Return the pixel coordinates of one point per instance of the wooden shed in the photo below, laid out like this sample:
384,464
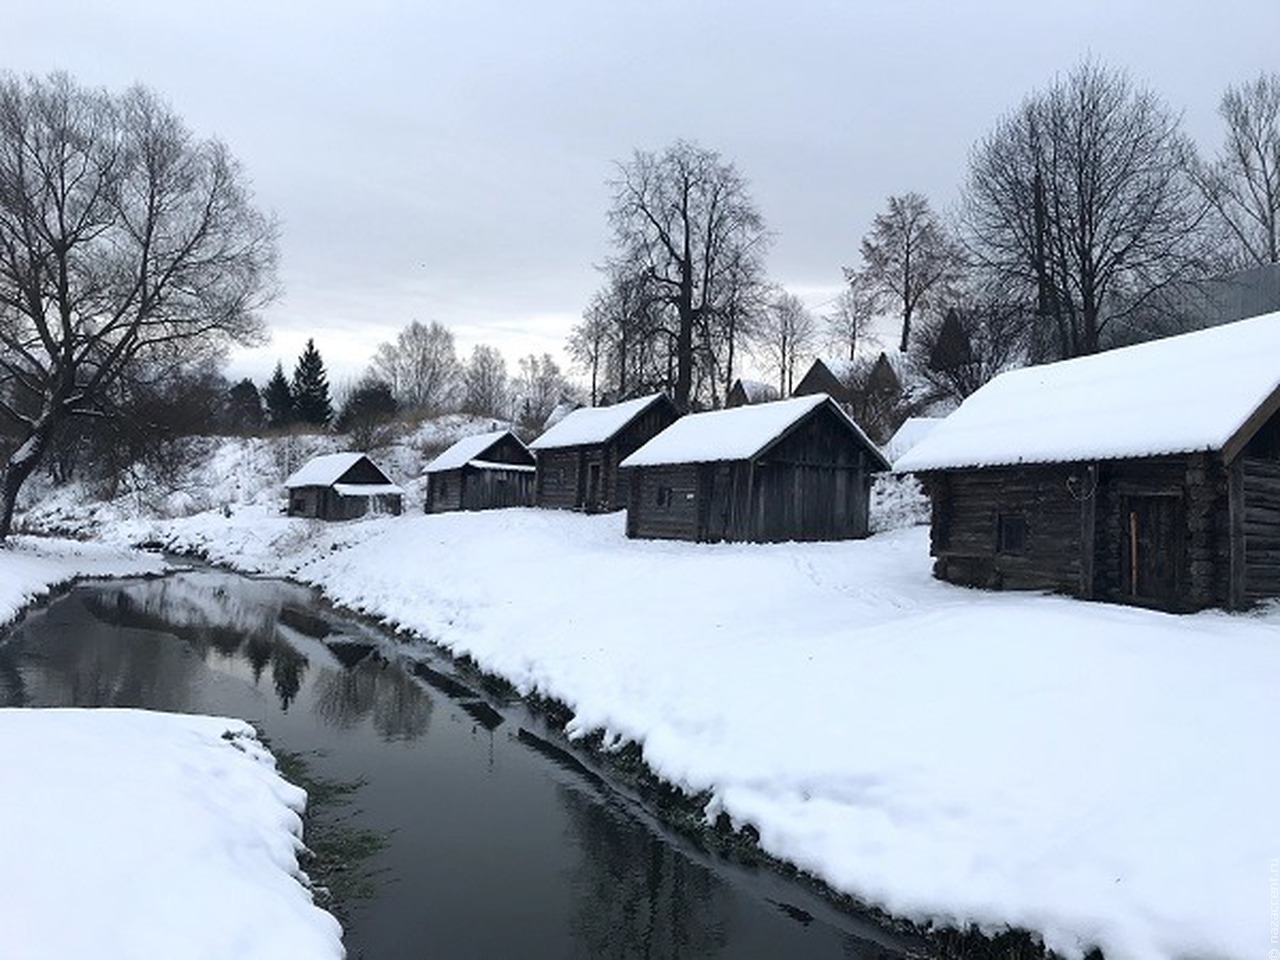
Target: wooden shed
578,457
1148,475
795,469
482,472
341,486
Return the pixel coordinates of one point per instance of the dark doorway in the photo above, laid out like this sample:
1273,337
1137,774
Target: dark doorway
1151,559
593,486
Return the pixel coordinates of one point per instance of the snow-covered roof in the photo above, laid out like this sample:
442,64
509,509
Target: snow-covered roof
1182,394
367,489
593,424
739,433
464,451
912,431
322,471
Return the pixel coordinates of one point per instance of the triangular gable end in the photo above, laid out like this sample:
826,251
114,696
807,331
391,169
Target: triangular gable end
830,405
1255,422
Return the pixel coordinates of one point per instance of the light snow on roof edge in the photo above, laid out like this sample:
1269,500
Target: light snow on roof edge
593,424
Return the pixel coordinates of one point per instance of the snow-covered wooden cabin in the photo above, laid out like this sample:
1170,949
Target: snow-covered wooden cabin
744,392
482,472
795,469
341,486
1148,475
578,458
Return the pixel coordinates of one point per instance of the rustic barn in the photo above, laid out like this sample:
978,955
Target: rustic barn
482,472
341,486
1148,475
578,458
746,392
795,469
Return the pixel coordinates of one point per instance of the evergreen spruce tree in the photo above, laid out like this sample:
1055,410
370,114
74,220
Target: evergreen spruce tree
279,399
244,407
311,389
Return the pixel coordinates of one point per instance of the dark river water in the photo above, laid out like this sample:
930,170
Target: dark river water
495,849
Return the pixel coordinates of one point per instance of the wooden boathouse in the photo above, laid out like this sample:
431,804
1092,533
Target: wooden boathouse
797,469
578,458
341,486
1148,475
482,472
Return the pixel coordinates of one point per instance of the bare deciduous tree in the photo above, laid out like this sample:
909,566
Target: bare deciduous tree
955,353
124,241
538,388
421,366
849,321
685,225
1080,199
1243,183
786,332
909,261
484,382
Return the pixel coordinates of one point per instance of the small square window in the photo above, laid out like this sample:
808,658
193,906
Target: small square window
1011,533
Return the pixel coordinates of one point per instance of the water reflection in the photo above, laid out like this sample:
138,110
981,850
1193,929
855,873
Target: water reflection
502,844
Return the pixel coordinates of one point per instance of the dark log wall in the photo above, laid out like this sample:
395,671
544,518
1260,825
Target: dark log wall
967,510
556,480
508,449
488,489
324,503
1261,527
663,502
1077,525
363,471
444,491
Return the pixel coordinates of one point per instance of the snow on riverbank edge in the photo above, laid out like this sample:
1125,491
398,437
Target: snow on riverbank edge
1089,772
128,833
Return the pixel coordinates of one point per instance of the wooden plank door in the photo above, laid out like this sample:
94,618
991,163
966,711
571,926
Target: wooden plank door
1153,536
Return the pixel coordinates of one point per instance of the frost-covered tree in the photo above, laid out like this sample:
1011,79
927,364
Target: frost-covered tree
126,243
310,388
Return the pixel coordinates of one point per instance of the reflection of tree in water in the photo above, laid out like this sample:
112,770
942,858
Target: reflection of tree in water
638,896
288,667
257,650
399,708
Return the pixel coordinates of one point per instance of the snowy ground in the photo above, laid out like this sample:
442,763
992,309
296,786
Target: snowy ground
130,834
1105,776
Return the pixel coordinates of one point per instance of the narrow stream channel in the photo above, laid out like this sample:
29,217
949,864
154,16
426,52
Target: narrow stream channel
494,848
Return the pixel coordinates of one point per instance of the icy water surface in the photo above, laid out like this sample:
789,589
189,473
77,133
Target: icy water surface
495,848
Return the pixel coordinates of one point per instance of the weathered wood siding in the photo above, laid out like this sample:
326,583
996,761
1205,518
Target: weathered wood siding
813,485
556,479
1261,527
324,503
493,489
587,477
444,491
663,502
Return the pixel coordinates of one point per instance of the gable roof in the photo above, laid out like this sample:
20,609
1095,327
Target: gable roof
756,391
594,424
739,433
1200,391
329,469
468,449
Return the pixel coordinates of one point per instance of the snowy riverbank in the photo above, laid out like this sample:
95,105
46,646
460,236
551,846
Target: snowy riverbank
134,834
1101,775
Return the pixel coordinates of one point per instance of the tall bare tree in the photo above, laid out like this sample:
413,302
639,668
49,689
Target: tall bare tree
124,241
1243,182
849,322
1081,199
909,260
421,366
786,332
684,224
485,390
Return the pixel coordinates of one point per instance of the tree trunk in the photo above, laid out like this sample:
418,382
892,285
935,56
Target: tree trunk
20,466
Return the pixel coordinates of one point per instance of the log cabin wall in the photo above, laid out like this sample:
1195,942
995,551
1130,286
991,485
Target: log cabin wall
1261,528
486,488
1007,527
556,479
444,491
663,502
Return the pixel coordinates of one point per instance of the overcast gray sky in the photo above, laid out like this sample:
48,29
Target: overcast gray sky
448,161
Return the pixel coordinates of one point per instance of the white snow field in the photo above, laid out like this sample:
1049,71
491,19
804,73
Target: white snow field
1103,775
127,834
